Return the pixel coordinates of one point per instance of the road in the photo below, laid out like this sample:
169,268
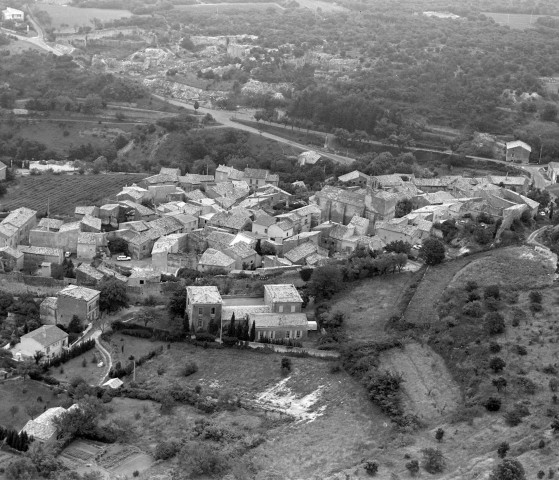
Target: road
224,117
39,40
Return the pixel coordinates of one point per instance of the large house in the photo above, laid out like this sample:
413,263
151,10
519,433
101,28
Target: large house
23,219
276,316
518,152
13,14
47,339
43,428
72,300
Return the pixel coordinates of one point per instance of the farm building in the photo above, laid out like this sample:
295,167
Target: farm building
518,152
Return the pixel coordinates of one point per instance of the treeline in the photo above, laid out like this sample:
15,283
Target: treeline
15,440
67,355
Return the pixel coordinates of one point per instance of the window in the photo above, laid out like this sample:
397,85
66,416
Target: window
200,311
200,323
298,334
292,308
259,335
141,282
280,308
272,334
287,333
213,311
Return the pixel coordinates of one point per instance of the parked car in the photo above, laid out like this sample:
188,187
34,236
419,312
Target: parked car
123,258
68,254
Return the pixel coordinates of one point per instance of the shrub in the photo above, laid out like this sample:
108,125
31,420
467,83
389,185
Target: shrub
473,296
497,364
413,467
514,416
473,309
286,364
371,468
439,434
492,291
494,347
495,323
502,449
305,274
205,337
433,460
189,369
166,450
553,384
509,469
499,383
229,341
527,385
336,368
536,307
471,285
520,350
201,459
535,296
493,404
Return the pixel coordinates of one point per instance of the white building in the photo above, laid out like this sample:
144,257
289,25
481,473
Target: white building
13,14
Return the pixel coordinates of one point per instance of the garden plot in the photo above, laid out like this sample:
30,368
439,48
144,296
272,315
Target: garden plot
81,451
280,398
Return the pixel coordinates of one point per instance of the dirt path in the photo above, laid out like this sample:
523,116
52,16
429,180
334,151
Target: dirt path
429,390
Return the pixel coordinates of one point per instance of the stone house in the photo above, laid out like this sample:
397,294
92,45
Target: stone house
256,177
278,326
282,298
213,259
280,231
134,212
9,235
12,259
519,184
355,179
203,305
47,311
300,253
80,301
191,181
223,173
90,224
518,152
383,205
82,211
134,193
110,214
552,171
88,276
89,244
23,219
308,158
262,223
34,256
245,257
48,339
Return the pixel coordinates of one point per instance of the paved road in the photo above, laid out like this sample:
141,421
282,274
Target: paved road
38,41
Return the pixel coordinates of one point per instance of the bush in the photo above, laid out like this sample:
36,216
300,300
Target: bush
305,274
189,369
229,341
536,307
473,309
493,404
413,467
495,323
473,296
166,450
494,347
433,460
535,296
520,350
509,469
492,291
471,285
371,468
205,337
286,364
514,416
497,364
503,449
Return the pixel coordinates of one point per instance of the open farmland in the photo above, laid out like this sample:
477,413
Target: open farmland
65,18
515,20
65,192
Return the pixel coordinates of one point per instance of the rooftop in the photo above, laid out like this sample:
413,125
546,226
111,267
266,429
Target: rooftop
87,269
46,335
51,223
92,222
283,293
519,143
214,258
301,252
356,174
7,230
203,295
264,220
31,250
340,195
42,428
241,249
267,320
19,217
80,293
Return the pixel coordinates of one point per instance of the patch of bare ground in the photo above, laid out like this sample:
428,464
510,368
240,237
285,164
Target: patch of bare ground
428,388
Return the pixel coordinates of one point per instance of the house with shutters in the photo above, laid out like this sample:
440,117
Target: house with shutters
47,339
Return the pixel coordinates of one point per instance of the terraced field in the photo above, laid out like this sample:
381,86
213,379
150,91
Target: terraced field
64,192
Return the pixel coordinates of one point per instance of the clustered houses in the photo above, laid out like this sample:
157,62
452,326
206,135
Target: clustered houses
276,316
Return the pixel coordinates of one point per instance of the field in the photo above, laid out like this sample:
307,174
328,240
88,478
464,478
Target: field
515,21
65,19
91,373
24,394
64,192
379,299
337,426
18,46
327,7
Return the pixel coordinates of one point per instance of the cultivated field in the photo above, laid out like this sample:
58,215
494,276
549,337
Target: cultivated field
66,19
64,192
516,21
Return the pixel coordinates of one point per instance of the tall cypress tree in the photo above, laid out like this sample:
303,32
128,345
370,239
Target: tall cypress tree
252,336
232,330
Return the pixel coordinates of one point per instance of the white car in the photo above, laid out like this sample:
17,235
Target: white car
68,254
123,258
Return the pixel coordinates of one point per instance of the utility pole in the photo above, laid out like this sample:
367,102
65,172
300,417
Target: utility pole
541,148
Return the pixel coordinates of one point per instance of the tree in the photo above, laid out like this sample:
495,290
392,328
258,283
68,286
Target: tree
495,323
493,404
325,282
508,469
118,245
403,207
100,164
497,364
177,304
147,315
439,434
252,336
413,467
21,469
398,246
68,268
92,103
75,325
502,449
432,251
37,356
433,460
549,113
113,295
196,106
499,383
188,44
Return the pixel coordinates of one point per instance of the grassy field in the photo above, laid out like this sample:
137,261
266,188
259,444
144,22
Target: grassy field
515,21
18,46
339,429
379,299
228,7
64,192
24,394
91,373
65,18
